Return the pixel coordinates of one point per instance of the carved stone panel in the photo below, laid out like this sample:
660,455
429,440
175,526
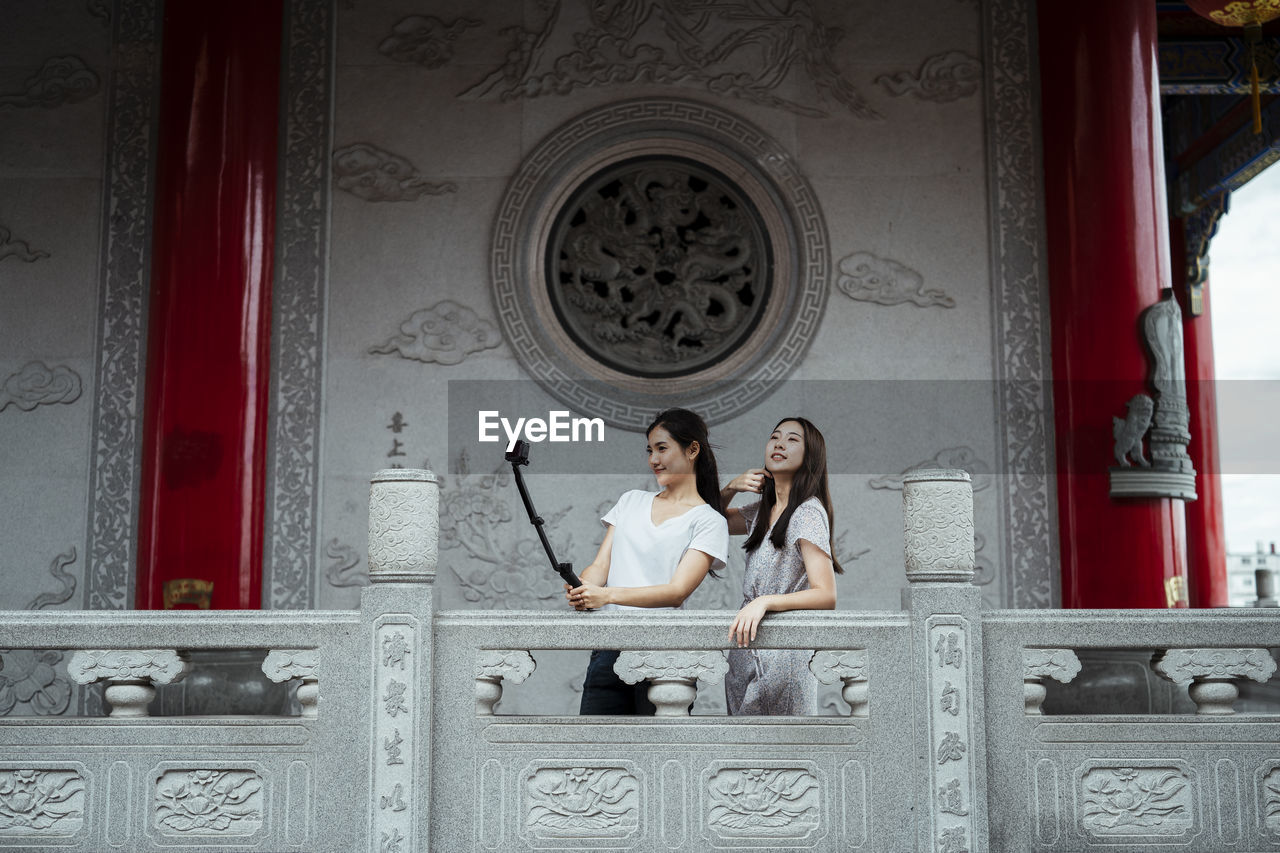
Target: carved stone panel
763,804
195,802
398,710
951,731
1135,801
42,801
594,805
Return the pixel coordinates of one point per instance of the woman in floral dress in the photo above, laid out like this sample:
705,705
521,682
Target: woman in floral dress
789,567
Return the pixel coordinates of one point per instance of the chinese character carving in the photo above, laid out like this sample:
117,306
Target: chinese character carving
952,840
398,423
951,799
393,801
392,840
396,449
949,651
394,650
392,746
950,700
395,698
951,748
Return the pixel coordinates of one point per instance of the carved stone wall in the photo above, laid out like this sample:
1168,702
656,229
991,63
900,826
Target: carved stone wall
901,153
65,72
915,145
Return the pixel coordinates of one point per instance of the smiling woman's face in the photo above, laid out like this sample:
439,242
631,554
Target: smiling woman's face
667,459
784,451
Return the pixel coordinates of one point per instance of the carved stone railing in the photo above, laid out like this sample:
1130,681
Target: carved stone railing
402,743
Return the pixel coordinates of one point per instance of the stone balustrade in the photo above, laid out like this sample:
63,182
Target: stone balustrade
950,744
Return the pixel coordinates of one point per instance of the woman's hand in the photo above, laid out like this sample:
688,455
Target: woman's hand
749,481
743,629
588,596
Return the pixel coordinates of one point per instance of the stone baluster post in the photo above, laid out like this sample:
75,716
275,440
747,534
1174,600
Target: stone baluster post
1210,674
850,669
1037,665
404,528
303,664
672,676
495,666
946,633
129,675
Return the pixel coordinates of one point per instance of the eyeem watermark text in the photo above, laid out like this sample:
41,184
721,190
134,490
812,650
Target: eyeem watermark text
558,426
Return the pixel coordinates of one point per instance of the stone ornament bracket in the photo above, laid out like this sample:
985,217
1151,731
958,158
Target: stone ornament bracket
494,666
849,667
286,664
129,675
1211,674
672,676
1061,665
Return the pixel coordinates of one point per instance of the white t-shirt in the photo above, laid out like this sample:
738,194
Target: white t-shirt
647,555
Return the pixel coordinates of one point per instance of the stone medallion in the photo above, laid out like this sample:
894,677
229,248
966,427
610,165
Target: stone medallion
655,253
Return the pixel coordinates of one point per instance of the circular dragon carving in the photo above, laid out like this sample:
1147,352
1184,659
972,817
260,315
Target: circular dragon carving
658,267
659,252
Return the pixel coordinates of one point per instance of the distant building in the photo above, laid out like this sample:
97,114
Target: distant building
1241,585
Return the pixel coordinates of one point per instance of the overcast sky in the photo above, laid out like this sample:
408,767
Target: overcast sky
1244,279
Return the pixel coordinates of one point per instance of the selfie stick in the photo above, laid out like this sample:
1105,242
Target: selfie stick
520,456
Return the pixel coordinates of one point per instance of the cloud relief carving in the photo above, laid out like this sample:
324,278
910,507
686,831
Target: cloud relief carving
370,173
37,384
946,77
424,40
11,247
444,333
61,80
869,278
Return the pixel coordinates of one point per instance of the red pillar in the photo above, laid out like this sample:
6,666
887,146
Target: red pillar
1108,260
209,332
1206,536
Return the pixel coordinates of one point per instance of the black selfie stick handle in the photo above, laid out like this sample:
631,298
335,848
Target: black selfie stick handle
565,570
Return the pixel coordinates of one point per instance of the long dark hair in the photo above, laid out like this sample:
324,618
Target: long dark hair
685,427
810,481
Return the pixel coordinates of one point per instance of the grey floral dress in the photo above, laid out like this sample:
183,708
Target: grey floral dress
777,681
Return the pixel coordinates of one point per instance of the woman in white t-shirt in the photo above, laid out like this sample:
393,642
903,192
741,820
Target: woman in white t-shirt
657,548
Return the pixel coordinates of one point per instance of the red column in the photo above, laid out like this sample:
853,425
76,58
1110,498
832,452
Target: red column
1206,536
1108,260
209,332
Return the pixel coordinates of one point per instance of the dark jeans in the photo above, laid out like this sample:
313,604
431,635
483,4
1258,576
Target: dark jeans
603,692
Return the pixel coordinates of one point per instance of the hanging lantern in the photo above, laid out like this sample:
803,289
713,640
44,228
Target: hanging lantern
1250,15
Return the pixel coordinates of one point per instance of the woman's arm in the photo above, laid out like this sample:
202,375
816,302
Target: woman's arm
693,567
597,572
821,595
751,480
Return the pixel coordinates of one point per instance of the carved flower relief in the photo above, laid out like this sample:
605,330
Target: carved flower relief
1136,801
468,514
1271,801
582,801
45,801
29,676
517,581
777,802
209,802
